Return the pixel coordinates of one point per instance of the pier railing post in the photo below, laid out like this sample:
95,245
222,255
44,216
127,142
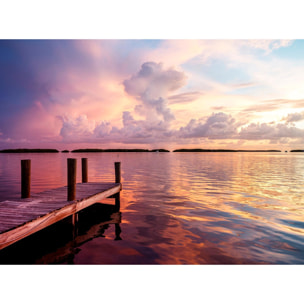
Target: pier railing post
25,178
117,172
84,166
72,166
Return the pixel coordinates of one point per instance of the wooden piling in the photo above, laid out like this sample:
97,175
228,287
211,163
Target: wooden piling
72,166
22,218
25,178
84,166
117,172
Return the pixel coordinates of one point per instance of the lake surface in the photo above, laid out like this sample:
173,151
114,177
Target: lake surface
175,208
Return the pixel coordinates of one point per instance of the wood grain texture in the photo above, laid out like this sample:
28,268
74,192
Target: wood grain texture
19,219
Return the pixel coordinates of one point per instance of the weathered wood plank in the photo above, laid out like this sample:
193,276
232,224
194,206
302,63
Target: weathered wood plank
12,223
16,218
44,209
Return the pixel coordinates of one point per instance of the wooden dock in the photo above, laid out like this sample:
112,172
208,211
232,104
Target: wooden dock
19,219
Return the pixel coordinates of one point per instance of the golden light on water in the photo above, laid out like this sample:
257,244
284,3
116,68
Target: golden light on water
189,208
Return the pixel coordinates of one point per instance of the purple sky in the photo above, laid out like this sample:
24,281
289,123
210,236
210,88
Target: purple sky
152,93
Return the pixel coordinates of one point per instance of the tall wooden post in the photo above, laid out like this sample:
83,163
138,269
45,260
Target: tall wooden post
117,172
25,178
84,167
72,166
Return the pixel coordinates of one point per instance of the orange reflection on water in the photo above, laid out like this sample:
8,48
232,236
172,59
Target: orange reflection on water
242,205
197,208
205,208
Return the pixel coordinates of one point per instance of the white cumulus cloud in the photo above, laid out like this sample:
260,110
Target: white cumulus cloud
216,126
151,85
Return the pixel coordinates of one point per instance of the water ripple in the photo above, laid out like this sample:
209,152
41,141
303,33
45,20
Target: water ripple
189,208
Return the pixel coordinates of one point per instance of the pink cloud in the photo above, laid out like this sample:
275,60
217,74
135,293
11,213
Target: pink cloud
109,93
79,128
293,117
216,126
257,131
151,85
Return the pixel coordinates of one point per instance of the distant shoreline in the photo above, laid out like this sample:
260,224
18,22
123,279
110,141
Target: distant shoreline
29,151
78,150
118,150
222,150
132,150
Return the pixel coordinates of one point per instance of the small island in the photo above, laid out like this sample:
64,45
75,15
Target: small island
117,150
65,151
222,150
29,151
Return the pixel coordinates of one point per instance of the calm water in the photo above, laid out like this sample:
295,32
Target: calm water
176,208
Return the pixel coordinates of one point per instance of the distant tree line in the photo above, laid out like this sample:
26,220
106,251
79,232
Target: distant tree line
119,150
133,150
222,150
29,151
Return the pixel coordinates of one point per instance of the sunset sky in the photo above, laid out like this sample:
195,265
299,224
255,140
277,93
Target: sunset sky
152,93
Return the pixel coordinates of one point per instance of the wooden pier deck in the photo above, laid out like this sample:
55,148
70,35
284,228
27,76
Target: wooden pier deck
21,218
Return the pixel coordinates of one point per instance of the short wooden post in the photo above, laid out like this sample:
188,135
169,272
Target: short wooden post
72,166
84,166
117,172
25,178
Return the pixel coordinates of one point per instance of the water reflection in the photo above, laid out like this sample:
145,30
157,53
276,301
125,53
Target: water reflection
117,233
60,242
189,208
231,206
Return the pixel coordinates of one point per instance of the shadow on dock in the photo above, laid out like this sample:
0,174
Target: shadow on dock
57,244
